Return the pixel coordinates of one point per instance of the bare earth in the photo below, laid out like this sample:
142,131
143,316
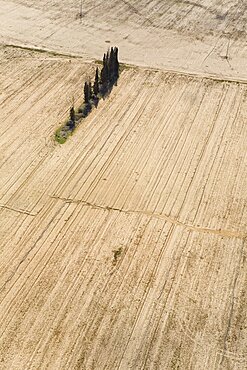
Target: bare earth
201,36
124,248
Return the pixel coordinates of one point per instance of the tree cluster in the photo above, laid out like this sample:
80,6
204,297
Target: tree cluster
110,71
103,83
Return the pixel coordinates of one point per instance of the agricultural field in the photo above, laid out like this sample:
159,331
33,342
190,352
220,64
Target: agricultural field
123,248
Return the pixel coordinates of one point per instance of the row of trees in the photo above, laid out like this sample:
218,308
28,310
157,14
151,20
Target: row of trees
108,77
103,82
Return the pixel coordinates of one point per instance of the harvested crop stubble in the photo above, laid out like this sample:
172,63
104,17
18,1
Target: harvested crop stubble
157,173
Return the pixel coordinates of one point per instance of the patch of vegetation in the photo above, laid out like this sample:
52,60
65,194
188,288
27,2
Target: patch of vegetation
60,137
98,61
116,254
123,66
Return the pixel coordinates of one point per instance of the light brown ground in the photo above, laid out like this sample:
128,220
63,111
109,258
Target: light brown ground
155,173
193,36
125,247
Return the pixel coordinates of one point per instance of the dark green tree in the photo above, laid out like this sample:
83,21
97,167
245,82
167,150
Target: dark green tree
102,73
116,63
96,83
72,114
71,122
90,90
86,93
108,66
104,76
111,66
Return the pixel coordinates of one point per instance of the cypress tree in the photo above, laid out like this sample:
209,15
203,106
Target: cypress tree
107,66
90,92
96,83
104,60
86,93
72,114
104,73
116,63
112,66
107,57
71,122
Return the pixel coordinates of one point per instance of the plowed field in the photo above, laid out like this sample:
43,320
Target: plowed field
125,247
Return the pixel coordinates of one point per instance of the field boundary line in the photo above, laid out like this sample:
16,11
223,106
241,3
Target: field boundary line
205,76
18,210
45,50
174,221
